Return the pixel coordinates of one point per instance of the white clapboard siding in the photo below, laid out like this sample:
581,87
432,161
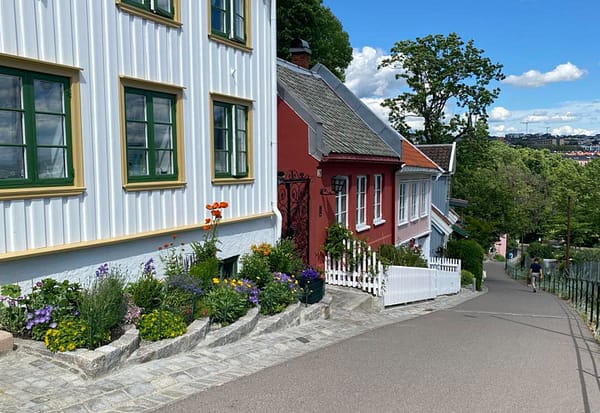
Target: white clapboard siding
106,43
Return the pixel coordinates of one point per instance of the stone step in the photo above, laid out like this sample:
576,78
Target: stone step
6,342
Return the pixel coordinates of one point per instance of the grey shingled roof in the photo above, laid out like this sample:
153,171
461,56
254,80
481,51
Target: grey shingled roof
441,154
344,132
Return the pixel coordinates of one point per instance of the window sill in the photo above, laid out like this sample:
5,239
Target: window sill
377,222
241,46
148,186
45,192
403,223
362,227
232,181
175,23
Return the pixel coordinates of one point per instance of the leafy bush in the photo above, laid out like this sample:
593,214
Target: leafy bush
536,249
160,324
147,291
337,236
278,294
12,314
403,256
284,257
102,308
204,271
225,305
466,278
471,254
70,334
499,257
255,267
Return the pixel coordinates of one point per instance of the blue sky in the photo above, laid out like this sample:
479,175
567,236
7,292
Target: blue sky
550,50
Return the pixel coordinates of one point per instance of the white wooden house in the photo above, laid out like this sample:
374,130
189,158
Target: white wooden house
121,119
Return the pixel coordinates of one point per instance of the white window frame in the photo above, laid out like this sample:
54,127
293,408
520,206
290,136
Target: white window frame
361,203
341,204
402,204
424,198
414,201
377,199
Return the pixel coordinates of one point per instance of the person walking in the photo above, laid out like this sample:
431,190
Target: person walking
535,273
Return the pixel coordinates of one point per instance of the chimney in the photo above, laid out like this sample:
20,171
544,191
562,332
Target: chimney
300,51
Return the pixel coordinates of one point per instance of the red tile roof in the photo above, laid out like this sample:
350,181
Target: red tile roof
411,156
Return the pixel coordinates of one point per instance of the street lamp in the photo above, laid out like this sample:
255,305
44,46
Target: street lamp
337,185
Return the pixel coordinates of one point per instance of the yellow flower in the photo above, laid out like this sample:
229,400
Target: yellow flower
71,346
215,280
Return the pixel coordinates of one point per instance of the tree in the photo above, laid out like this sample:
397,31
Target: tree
441,70
311,21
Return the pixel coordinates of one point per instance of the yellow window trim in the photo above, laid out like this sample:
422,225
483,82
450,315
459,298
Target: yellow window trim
249,135
71,72
176,90
247,47
136,11
76,246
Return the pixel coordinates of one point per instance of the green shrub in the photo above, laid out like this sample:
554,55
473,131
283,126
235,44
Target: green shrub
225,305
402,256
12,315
205,271
536,249
337,236
160,324
278,294
284,257
102,308
471,255
70,334
147,291
499,257
466,278
255,267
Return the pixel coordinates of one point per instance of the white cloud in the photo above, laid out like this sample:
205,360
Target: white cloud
499,114
569,130
566,72
550,118
365,80
375,105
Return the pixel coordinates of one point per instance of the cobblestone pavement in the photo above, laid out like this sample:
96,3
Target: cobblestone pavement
33,383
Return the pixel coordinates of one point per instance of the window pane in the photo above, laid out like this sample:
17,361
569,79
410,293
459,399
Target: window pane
136,134
51,163
241,141
221,162
11,128
242,162
162,110
135,107
50,130
137,162
12,163
164,162
48,96
162,137
239,21
219,15
163,5
10,92
219,117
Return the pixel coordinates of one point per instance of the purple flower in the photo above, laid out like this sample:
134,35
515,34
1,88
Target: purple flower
310,274
149,268
102,271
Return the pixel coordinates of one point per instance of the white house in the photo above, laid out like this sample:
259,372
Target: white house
121,119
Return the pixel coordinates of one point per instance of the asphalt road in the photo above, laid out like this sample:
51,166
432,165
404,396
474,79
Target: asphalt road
509,350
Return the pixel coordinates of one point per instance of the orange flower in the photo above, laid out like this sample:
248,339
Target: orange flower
206,227
215,205
223,204
209,207
207,220
216,213
166,245
174,236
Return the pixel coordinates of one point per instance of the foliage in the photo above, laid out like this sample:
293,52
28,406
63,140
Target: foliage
539,250
10,290
582,255
147,291
284,257
499,257
442,71
470,253
225,305
403,256
466,278
160,324
280,292
71,333
310,20
338,236
102,307
12,312
255,267
172,261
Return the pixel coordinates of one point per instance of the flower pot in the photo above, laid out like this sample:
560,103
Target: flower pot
311,291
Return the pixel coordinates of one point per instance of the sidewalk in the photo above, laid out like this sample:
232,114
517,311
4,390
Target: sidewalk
33,383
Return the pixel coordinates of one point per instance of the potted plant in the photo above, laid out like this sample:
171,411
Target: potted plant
312,286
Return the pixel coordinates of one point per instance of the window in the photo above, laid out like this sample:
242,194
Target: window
161,7
35,124
361,203
228,20
230,139
228,267
424,198
377,191
402,203
414,200
341,205
150,135
165,12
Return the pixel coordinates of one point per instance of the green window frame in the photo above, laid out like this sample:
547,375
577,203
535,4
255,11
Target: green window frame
230,140
35,129
163,8
228,19
150,135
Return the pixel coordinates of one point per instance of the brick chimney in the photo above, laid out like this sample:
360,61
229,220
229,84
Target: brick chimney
300,51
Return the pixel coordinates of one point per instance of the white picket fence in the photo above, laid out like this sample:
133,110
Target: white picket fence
396,284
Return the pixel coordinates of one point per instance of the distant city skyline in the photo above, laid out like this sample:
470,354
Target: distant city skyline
547,47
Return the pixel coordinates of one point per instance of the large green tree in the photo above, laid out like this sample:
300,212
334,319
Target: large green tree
310,20
444,73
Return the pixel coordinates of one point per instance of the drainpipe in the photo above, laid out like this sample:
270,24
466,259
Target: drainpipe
273,55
